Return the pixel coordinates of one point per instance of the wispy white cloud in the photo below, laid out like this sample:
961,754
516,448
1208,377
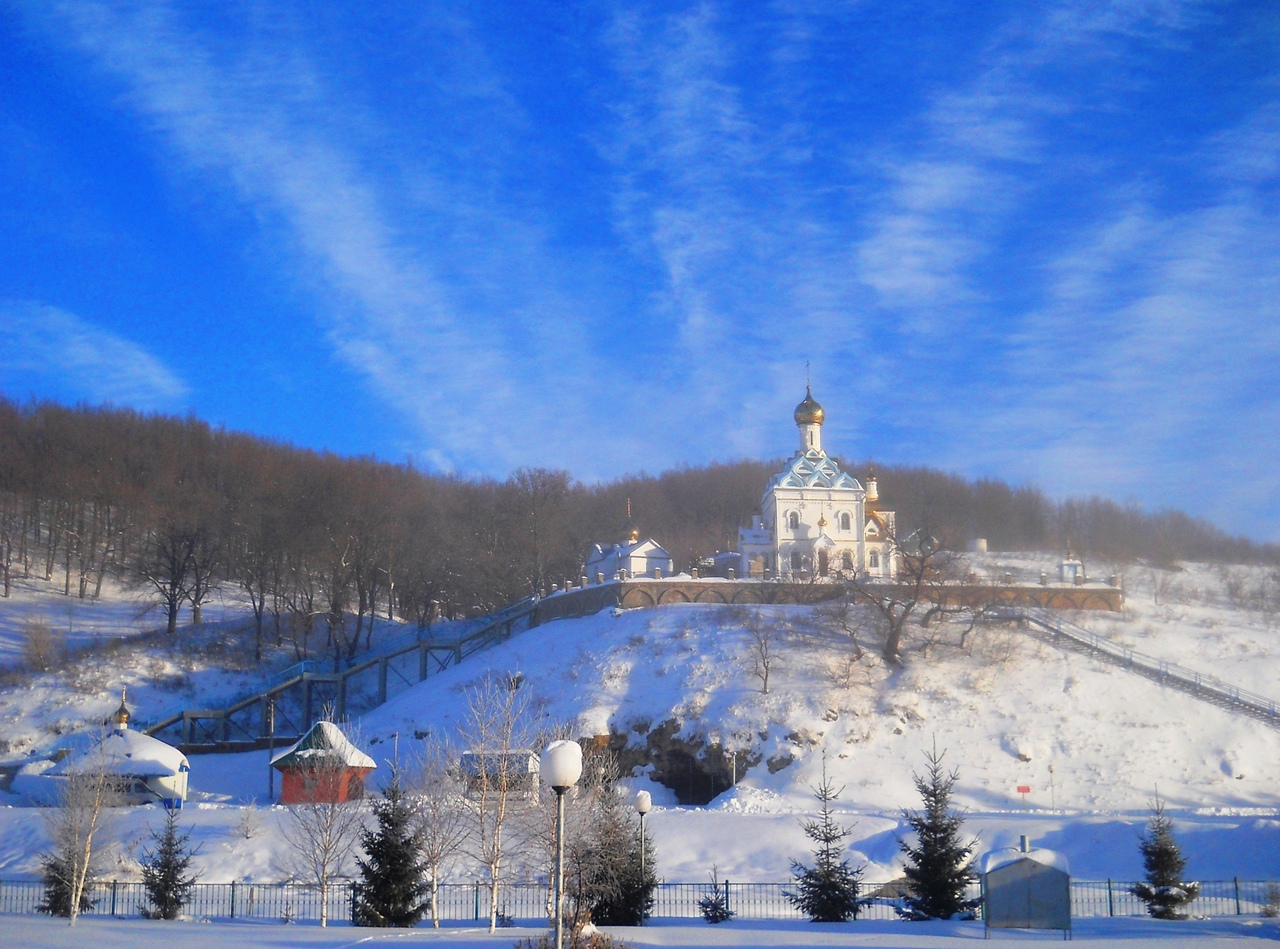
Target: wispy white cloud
259,116
978,277
1150,374
1147,369
87,361
712,183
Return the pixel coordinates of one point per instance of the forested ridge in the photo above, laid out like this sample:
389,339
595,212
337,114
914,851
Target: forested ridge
179,509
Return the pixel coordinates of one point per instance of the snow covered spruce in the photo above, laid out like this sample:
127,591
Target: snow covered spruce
939,865
1164,891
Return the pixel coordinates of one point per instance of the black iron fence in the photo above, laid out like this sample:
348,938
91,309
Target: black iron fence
531,901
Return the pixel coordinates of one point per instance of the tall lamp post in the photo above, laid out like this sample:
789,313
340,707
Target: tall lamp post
644,802
561,766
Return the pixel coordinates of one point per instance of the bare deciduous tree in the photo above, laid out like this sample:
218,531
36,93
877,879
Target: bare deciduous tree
321,840
82,814
1161,580
43,648
925,565
763,640
499,732
851,621
440,815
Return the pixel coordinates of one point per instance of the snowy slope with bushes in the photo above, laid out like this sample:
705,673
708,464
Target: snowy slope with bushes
1093,742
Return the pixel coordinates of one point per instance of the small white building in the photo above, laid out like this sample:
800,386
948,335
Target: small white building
639,558
515,770
815,519
1071,570
144,770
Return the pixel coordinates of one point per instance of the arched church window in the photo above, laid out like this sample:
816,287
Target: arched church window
844,521
796,563
793,520
874,560
846,559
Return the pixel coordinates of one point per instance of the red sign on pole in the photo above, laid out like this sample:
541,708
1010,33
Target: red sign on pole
1024,789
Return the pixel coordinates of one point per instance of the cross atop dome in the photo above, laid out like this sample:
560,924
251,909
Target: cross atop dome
121,716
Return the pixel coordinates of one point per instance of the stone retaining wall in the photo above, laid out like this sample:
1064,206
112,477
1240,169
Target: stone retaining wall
641,594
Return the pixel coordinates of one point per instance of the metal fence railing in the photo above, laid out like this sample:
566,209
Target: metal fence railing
1261,706
530,901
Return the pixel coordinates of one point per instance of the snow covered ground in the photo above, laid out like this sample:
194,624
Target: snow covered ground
42,933
1093,743
119,612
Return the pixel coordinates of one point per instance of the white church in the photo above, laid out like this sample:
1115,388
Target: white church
815,519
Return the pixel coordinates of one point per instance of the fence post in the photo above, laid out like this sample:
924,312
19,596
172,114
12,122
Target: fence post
233,899
1236,881
477,899
1111,901
113,897
726,897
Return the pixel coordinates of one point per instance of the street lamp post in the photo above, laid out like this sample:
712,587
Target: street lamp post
643,804
561,766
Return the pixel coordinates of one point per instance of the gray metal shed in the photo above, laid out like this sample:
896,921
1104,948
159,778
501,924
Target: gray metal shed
1026,888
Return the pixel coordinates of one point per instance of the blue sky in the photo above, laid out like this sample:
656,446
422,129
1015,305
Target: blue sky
1031,241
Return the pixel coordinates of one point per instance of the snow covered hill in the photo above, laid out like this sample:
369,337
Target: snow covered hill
1093,743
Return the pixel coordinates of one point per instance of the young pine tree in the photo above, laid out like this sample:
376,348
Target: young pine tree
624,880
608,880
56,875
393,883
1164,891
938,868
827,892
166,870
715,906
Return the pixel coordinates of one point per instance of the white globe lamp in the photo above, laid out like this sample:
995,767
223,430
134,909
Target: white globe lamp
560,767
643,804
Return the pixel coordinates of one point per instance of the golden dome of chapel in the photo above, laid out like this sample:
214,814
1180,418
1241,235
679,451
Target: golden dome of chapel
809,412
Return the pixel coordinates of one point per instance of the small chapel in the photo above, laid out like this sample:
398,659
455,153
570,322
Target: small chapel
815,519
632,557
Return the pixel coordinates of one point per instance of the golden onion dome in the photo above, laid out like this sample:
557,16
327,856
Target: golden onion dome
121,717
809,412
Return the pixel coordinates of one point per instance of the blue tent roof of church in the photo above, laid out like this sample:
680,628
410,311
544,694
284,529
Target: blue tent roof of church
813,470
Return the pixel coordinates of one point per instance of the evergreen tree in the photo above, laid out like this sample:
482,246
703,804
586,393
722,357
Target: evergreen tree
605,881
938,868
827,892
57,888
715,906
393,877
1164,891
625,892
165,870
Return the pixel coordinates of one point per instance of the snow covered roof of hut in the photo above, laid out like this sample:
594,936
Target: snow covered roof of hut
323,745
995,859
125,752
